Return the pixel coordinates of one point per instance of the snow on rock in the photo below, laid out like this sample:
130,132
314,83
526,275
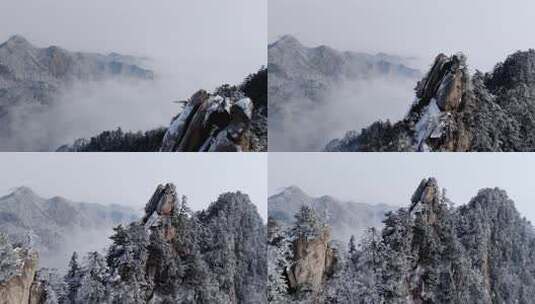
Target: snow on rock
440,99
247,106
429,124
212,123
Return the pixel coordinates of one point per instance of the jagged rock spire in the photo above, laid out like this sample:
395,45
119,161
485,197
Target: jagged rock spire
162,202
426,191
427,194
444,82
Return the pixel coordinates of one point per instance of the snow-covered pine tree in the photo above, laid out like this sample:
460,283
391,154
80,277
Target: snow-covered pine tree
8,259
93,280
307,224
73,279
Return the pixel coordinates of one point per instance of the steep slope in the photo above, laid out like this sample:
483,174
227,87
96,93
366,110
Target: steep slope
173,255
344,218
52,223
456,111
231,119
304,79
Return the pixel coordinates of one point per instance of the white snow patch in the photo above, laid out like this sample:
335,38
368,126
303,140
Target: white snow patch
216,104
246,105
153,221
428,125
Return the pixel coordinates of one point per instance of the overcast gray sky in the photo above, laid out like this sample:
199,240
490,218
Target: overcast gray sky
392,178
131,178
205,42
486,30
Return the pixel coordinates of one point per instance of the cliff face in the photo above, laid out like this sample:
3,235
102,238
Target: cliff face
456,111
211,124
313,262
301,260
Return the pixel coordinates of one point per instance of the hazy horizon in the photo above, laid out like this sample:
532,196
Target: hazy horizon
183,38
189,45
391,178
415,28
130,179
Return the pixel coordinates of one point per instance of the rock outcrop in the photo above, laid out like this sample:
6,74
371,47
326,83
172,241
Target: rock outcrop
160,210
313,262
456,111
17,288
211,123
232,119
301,258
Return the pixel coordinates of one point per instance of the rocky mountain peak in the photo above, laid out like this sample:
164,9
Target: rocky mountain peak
17,40
292,191
427,202
445,82
287,41
22,191
162,202
427,192
24,195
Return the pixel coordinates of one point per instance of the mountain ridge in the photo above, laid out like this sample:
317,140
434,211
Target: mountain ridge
49,223
303,79
345,217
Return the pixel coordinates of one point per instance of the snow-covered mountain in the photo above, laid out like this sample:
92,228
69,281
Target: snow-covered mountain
302,79
31,77
456,111
52,225
427,252
170,255
344,218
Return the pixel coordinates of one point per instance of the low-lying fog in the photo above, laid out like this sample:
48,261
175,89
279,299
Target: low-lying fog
191,46
309,126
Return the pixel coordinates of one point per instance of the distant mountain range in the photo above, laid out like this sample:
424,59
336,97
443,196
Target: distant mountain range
31,77
29,74
344,218
51,223
33,80
303,77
